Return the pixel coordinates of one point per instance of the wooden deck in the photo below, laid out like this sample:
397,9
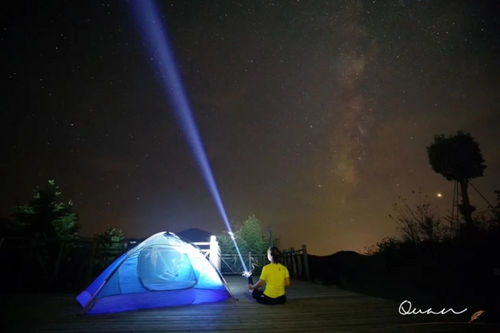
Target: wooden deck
310,308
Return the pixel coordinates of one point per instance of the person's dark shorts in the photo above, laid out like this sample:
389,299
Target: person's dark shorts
263,299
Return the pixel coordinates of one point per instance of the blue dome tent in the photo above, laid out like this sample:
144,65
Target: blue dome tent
161,271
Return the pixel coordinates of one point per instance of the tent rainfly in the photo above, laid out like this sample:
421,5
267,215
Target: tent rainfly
161,271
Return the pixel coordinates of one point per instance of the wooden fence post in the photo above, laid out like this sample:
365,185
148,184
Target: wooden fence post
299,264
214,254
306,263
290,262
294,265
287,259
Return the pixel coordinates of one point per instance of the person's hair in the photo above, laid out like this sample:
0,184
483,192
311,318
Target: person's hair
276,255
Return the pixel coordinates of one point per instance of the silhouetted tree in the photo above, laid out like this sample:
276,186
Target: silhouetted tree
494,220
52,224
249,236
457,158
418,223
9,228
109,245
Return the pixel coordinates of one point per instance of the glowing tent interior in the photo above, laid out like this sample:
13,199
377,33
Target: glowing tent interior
161,271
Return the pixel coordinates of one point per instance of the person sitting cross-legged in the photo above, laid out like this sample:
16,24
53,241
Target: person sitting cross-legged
274,277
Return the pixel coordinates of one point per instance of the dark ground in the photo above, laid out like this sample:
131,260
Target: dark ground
310,307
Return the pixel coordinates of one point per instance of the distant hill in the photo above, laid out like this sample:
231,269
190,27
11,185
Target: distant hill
333,268
195,235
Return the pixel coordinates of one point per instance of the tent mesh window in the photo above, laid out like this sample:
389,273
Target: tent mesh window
163,267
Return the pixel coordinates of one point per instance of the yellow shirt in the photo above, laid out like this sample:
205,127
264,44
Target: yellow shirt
274,275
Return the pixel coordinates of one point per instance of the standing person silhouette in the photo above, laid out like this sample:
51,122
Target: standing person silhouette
275,277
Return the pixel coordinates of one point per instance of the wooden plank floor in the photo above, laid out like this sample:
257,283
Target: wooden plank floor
310,308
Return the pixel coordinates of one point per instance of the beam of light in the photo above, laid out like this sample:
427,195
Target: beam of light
156,37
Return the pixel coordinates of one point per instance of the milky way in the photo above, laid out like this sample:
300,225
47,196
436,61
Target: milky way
315,114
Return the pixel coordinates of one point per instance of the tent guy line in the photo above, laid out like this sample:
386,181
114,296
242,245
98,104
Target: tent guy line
156,38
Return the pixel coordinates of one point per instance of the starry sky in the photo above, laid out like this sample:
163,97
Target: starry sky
315,115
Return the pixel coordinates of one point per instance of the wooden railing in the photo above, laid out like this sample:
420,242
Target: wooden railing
211,250
231,263
297,262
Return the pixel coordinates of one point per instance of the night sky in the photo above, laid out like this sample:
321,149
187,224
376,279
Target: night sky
315,114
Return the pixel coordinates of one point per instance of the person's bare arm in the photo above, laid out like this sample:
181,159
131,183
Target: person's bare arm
259,284
287,283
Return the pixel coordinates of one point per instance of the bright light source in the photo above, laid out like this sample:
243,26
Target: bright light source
439,195
156,37
247,274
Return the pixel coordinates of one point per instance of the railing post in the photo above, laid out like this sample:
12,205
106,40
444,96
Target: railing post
299,264
285,259
306,262
214,254
290,262
294,264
